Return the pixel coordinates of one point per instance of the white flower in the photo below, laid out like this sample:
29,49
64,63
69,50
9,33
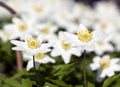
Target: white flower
106,7
4,35
47,30
102,46
64,49
38,9
105,66
85,38
19,27
40,58
32,45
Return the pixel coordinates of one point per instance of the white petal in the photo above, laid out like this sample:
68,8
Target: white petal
18,48
71,37
104,73
30,65
89,47
82,27
17,43
16,20
96,59
66,58
110,73
115,60
46,59
55,52
94,66
76,52
40,37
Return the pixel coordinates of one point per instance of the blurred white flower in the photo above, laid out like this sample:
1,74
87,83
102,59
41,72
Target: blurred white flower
105,26
38,9
106,10
19,27
32,45
64,49
47,30
4,35
105,66
102,46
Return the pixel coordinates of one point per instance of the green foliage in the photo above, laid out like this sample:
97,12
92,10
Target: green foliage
110,80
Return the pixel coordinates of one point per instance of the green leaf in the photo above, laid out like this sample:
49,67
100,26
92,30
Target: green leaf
64,69
26,83
19,74
22,73
60,83
110,80
50,85
91,84
12,82
79,86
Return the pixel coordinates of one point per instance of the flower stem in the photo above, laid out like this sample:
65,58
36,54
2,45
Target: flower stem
84,69
13,12
34,62
19,61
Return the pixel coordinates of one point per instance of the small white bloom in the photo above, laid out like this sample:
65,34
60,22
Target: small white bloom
105,66
64,49
85,38
4,35
102,46
32,45
40,58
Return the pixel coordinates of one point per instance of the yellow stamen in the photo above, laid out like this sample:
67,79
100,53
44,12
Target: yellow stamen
5,33
40,56
65,45
84,35
100,43
45,31
22,26
103,26
32,42
38,9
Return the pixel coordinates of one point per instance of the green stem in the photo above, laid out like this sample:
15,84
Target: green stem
84,69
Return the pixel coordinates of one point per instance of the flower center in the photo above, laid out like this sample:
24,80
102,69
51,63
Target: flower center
85,35
40,56
45,31
32,42
65,45
100,43
104,63
5,33
38,9
22,26
103,26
